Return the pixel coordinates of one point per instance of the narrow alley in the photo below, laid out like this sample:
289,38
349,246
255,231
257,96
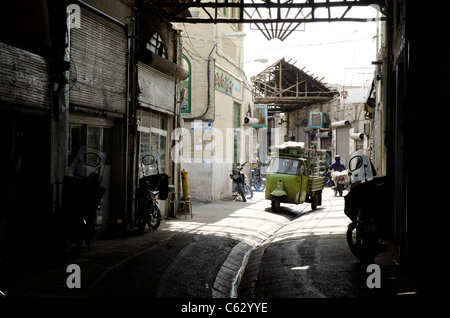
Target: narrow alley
228,249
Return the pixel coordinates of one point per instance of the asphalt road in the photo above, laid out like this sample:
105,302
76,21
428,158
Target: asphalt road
228,249
307,258
199,257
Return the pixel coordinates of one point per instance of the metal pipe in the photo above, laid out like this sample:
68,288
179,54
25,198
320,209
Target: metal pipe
99,12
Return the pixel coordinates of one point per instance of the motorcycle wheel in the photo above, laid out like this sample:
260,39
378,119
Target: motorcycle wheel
155,221
241,191
365,250
248,191
275,204
259,184
140,221
353,240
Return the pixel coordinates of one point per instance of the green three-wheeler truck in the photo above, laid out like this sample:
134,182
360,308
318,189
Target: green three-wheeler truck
295,175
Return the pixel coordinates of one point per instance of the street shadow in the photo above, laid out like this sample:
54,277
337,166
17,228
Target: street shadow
292,212
284,211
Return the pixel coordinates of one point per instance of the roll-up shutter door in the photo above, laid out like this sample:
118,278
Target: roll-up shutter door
157,89
98,64
24,77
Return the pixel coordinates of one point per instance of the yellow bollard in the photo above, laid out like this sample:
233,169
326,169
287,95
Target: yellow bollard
184,181
186,198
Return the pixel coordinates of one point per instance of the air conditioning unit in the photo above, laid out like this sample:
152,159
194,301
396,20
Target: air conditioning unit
318,120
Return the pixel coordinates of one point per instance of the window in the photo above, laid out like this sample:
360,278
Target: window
156,46
237,115
286,166
186,103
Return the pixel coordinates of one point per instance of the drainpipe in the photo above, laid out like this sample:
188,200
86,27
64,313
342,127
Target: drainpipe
130,102
208,78
131,121
59,95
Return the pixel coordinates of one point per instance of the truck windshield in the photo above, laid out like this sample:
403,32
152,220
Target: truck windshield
284,165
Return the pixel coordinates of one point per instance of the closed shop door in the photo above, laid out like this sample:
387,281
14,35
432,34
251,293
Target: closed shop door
98,57
98,137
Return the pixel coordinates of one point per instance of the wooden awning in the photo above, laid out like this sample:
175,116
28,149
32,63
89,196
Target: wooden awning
284,88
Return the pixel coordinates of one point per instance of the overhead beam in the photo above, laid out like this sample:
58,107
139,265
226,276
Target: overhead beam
286,20
290,100
276,18
310,5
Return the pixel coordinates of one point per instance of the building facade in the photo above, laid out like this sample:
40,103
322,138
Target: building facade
340,126
217,99
82,73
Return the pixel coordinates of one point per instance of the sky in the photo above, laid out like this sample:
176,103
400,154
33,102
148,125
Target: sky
341,52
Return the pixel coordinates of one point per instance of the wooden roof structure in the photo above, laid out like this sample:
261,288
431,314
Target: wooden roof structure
284,88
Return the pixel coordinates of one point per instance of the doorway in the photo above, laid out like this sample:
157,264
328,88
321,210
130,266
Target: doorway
98,137
25,190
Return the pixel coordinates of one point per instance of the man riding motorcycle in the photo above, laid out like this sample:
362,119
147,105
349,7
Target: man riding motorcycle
336,168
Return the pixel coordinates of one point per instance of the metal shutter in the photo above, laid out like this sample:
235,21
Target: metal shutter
24,77
157,89
98,64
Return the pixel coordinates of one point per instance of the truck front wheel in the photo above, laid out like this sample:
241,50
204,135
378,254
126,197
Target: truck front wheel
275,204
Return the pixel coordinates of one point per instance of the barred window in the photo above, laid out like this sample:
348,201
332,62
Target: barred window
156,46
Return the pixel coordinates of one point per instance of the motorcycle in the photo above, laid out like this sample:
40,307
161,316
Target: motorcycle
151,188
257,181
366,205
81,197
341,182
243,189
148,211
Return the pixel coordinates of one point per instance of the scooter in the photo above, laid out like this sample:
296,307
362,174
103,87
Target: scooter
341,182
366,204
243,189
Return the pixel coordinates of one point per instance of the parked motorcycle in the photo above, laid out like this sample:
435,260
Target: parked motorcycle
151,188
257,181
81,197
243,189
148,211
366,204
